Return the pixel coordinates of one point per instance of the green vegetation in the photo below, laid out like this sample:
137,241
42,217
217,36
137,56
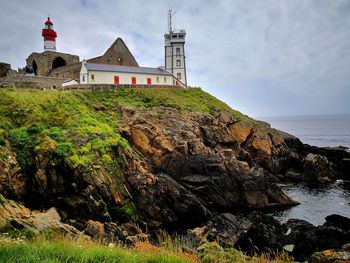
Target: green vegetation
51,246
66,250
79,130
82,135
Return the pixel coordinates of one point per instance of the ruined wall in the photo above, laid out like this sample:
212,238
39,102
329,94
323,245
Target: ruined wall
44,62
30,82
67,72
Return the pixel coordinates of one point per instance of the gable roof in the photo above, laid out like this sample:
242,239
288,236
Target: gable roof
126,69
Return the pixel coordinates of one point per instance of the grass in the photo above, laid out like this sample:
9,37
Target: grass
22,246
79,134
67,250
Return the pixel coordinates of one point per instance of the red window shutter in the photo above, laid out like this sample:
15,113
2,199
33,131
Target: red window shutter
133,80
149,81
116,79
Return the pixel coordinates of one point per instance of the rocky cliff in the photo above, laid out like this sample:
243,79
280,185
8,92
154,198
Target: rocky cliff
165,158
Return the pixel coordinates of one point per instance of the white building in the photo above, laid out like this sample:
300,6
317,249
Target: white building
95,73
175,59
175,54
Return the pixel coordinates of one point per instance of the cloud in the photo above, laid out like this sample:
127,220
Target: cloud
261,57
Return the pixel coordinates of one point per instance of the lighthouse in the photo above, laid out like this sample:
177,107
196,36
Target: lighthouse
49,36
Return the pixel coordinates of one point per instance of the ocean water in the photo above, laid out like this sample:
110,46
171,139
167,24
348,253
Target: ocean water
334,198
316,203
323,131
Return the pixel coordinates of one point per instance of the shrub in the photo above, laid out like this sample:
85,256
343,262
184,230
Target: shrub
23,144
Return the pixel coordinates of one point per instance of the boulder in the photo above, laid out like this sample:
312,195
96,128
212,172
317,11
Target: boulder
317,168
309,239
227,229
265,235
20,217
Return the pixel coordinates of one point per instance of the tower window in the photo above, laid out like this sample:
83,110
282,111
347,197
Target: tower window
178,75
178,63
178,52
83,78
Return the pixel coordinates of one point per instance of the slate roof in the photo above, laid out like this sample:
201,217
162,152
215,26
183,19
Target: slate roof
126,69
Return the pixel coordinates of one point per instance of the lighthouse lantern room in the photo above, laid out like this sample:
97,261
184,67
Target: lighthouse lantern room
49,36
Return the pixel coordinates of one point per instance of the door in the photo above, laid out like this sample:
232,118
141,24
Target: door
133,80
116,79
149,81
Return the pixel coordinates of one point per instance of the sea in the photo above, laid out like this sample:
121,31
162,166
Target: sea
316,203
323,131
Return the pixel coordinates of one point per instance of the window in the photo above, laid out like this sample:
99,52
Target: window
133,80
178,75
92,77
83,78
116,79
157,79
164,79
178,63
149,81
178,52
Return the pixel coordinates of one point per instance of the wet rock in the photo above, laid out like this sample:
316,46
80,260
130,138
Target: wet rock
338,221
264,235
317,168
227,229
309,239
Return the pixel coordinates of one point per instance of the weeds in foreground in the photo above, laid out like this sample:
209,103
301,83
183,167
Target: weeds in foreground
64,249
53,247
212,252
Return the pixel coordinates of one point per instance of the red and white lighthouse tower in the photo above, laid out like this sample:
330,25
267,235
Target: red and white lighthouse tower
49,36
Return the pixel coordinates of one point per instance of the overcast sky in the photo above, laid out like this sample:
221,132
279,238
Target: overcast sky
262,57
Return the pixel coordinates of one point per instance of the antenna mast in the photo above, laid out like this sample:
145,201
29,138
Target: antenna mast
170,16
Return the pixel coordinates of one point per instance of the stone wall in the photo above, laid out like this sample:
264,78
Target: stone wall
44,62
30,82
99,87
67,72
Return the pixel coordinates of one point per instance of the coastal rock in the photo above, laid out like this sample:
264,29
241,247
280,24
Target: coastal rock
20,217
10,209
227,229
264,235
200,153
317,168
330,256
12,182
309,239
127,233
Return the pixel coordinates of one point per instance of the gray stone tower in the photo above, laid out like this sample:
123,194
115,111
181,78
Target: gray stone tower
175,51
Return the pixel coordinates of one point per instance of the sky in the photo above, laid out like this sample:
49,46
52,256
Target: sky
261,57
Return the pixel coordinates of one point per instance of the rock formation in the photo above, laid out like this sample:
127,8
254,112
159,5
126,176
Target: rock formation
181,169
